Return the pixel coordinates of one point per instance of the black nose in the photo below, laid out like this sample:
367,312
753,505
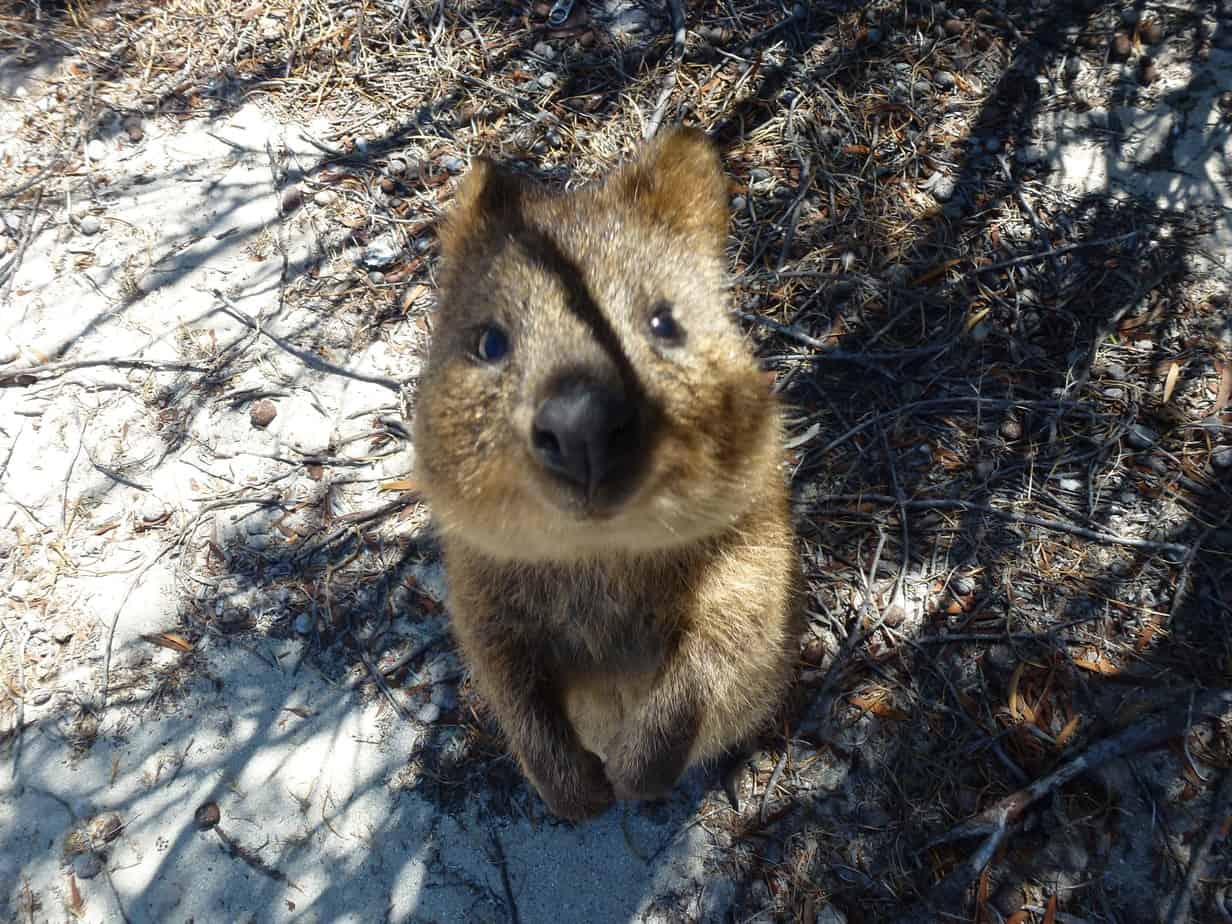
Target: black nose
583,432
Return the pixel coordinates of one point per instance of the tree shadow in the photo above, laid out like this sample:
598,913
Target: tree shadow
999,342
883,346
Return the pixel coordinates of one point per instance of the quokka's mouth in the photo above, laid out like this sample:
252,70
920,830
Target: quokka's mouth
598,505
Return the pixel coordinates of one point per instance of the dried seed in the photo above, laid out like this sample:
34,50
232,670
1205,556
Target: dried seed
207,815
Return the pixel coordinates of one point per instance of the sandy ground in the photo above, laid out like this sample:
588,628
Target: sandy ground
307,777
166,762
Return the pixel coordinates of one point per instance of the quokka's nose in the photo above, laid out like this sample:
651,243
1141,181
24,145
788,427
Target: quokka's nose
583,432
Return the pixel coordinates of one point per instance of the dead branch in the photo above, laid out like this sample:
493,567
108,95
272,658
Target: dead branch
309,359
1146,732
994,822
1179,910
1174,549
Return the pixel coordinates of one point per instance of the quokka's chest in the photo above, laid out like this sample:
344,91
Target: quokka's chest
598,622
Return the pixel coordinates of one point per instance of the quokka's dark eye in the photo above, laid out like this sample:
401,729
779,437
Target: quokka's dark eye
663,325
492,345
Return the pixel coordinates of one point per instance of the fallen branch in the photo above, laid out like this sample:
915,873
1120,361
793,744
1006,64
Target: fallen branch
253,861
1178,913
502,864
1055,252
994,822
947,894
32,373
309,359
1146,732
1174,549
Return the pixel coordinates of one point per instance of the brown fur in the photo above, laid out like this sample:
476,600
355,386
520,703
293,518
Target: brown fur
618,641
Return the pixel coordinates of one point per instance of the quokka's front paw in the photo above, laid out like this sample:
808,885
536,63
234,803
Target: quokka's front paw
643,774
577,790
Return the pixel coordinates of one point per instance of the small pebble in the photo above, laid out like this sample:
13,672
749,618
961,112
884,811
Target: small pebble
1120,47
945,80
630,21
87,865
453,164
962,585
61,632
445,697
382,251
1140,437
1010,429
292,198
544,50
135,134
547,79
262,413
152,509
396,167
1116,372
207,815
1032,154
1070,484
428,713
759,175
90,225
388,185
304,623
894,615
325,198
941,186
738,204
96,150
376,277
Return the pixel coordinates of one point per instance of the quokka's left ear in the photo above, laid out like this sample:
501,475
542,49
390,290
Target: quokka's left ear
487,194
677,181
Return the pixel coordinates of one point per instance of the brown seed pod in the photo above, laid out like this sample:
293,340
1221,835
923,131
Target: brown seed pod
207,815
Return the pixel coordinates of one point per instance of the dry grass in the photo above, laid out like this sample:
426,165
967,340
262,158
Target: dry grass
1008,400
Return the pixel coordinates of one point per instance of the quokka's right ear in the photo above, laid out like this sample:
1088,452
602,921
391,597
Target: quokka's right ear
487,195
677,180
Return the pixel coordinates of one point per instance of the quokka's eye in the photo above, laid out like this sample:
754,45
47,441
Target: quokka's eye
663,325
492,345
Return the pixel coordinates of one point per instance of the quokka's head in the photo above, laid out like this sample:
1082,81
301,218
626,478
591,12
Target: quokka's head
587,389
